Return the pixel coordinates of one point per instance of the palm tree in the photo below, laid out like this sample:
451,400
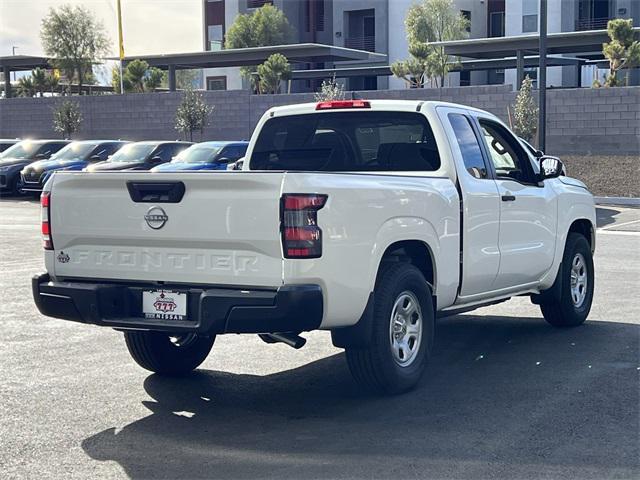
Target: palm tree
136,73
52,83
26,87
39,80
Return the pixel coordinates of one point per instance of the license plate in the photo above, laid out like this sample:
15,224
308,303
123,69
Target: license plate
164,305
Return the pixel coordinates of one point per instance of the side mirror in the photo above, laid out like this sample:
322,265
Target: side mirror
550,167
41,156
156,159
237,165
95,158
538,153
223,160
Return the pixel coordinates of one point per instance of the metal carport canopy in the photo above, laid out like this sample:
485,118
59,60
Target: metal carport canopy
557,44
242,57
19,63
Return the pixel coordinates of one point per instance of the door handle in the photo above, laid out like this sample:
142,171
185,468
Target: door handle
508,198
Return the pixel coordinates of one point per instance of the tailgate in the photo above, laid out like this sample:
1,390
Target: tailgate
224,229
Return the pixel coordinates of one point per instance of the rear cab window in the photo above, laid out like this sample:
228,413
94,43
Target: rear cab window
362,141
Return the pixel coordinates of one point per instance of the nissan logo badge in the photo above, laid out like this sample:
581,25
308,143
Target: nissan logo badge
156,218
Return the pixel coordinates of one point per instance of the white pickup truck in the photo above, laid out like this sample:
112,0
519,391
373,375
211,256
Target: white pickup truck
365,218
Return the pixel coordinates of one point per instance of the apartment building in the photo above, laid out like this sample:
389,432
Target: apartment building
378,25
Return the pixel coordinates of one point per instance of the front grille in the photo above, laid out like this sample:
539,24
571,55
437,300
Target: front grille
32,176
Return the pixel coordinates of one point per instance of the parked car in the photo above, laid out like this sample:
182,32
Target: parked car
7,142
140,156
73,157
367,219
205,156
15,158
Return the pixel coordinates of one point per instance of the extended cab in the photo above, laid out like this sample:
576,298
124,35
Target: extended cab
367,219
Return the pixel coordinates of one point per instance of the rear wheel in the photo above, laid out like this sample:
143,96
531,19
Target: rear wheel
166,354
577,282
402,336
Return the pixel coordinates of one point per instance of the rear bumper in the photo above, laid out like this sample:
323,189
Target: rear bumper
210,310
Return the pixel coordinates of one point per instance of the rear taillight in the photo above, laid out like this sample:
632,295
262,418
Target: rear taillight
45,203
301,236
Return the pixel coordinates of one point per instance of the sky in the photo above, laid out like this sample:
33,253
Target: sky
149,26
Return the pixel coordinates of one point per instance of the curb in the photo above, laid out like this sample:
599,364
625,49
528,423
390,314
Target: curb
619,201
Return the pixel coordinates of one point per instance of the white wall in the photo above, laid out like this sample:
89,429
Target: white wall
398,46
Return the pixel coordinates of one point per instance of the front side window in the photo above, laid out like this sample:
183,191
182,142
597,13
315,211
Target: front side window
347,141
509,159
469,146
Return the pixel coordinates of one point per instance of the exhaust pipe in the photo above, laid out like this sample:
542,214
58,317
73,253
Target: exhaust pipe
291,339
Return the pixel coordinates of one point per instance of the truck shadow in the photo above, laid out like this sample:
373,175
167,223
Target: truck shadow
502,395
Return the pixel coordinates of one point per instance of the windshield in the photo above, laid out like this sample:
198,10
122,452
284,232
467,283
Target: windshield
74,151
198,154
347,141
133,153
24,149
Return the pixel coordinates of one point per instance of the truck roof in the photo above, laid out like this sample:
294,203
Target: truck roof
403,105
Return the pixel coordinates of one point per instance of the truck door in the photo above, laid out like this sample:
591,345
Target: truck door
528,210
480,206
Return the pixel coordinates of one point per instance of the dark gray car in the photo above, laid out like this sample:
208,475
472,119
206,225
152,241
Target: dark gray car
15,158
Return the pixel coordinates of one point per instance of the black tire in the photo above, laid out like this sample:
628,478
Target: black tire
375,367
155,351
564,312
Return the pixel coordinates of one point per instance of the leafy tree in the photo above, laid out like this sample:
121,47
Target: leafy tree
525,112
275,69
67,118
74,39
39,77
26,87
264,27
193,113
330,90
427,22
623,52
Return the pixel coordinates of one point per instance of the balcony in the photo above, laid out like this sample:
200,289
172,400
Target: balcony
367,43
592,24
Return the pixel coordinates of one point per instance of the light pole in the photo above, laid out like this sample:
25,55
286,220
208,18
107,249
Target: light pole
542,80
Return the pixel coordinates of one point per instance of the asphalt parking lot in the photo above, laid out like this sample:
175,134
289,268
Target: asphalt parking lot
507,396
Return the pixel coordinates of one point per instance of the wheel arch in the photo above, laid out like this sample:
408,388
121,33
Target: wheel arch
584,227
415,252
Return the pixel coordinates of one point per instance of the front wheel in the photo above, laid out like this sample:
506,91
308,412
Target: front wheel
402,332
172,355
576,283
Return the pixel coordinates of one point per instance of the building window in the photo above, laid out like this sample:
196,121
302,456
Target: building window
529,16
467,15
258,3
465,78
215,34
214,24
496,24
361,33
216,83
314,15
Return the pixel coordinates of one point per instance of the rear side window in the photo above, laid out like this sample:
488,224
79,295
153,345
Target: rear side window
469,146
347,141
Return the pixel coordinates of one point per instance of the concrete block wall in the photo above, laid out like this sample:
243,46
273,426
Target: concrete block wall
580,121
